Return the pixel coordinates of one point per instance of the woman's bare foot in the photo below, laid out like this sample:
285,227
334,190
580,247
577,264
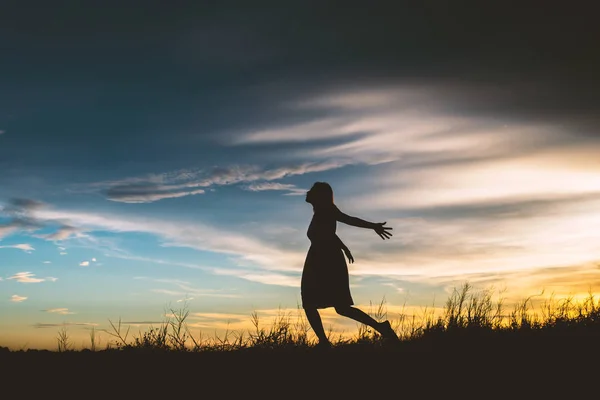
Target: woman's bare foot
386,330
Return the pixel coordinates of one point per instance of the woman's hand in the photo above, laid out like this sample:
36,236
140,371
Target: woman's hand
381,230
348,255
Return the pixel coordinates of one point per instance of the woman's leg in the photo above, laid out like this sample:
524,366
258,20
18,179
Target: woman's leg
314,319
356,314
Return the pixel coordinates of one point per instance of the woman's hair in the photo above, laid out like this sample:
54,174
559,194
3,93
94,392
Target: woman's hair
323,194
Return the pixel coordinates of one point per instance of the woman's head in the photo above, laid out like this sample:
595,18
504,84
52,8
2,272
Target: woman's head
320,194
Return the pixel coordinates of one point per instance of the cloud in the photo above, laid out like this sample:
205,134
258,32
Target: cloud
17,223
193,235
2,132
185,299
424,249
185,289
62,253
47,262
93,260
186,182
63,232
197,292
23,246
437,239
17,299
140,323
395,122
84,263
519,179
223,317
263,186
303,132
7,229
64,324
264,277
243,322
145,193
26,277
61,311
18,205
20,210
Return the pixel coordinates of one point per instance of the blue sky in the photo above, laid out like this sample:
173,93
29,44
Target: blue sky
149,157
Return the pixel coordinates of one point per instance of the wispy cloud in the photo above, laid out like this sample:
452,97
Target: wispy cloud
142,323
194,235
19,204
264,277
146,193
18,222
47,262
63,232
186,182
19,211
61,311
26,277
64,324
185,299
22,246
426,247
219,320
185,290
188,290
84,263
270,186
450,189
243,322
410,122
302,132
468,181
17,299
7,229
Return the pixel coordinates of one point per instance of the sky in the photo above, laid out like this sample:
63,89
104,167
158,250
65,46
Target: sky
155,155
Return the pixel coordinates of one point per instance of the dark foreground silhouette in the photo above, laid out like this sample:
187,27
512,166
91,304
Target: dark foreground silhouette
470,351
466,365
325,280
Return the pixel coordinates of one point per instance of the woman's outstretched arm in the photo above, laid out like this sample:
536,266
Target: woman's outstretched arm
345,249
354,221
361,223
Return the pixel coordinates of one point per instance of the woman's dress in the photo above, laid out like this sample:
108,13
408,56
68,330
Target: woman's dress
325,281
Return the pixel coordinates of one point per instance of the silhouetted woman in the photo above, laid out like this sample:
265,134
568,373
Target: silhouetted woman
325,281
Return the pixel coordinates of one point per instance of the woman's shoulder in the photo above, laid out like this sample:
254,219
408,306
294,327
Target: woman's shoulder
328,211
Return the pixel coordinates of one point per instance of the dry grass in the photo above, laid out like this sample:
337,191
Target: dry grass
466,313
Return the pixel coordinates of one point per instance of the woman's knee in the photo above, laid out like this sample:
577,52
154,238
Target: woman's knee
342,310
310,310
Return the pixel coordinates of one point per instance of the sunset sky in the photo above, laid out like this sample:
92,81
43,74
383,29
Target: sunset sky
152,153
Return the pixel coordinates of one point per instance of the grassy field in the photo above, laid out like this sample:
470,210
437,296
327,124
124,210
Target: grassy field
475,345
